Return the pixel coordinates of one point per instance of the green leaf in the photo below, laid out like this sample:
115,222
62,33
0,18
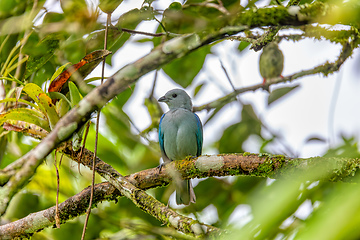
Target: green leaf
92,60
14,100
280,92
348,149
110,151
75,95
39,51
57,95
34,92
89,80
43,74
243,45
198,88
232,194
155,112
235,135
13,80
116,37
74,48
49,107
144,40
12,8
115,40
74,8
7,44
43,101
108,6
264,144
184,70
177,20
58,71
132,18
26,115
52,17
62,106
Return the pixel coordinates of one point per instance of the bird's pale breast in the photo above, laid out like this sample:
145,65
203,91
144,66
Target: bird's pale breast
180,135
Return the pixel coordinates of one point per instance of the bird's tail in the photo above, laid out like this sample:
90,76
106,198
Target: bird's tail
185,193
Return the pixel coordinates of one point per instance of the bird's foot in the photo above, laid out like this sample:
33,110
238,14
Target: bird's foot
264,85
160,166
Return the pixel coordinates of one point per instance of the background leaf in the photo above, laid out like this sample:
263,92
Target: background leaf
26,115
279,93
184,70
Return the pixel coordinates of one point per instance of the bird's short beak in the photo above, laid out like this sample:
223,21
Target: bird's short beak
162,99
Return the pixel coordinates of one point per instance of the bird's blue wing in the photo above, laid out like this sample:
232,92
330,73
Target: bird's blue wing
199,135
161,136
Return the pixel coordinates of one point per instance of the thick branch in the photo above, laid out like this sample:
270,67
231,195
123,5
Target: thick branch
69,209
141,199
204,166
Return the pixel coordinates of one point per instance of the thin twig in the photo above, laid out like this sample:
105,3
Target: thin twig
137,32
154,84
131,31
61,157
83,145
143,33
227,75
57,217
96,133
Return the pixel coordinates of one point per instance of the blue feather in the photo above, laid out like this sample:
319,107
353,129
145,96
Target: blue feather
161,135
199,136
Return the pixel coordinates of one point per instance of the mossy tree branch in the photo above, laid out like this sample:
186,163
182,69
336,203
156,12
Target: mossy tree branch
139,197
260,165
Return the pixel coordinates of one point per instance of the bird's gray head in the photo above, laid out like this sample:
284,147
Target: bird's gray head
177,98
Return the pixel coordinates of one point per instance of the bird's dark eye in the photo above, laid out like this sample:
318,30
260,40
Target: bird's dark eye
174,95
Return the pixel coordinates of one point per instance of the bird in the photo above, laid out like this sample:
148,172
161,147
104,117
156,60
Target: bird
271,62
180,136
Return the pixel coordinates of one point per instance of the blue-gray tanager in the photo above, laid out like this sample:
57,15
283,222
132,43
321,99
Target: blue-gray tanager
180,135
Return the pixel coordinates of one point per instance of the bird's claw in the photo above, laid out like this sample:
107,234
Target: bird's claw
160,166
265,86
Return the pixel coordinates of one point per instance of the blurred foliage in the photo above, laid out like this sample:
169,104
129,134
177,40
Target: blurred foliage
192,62
234,136
34,55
